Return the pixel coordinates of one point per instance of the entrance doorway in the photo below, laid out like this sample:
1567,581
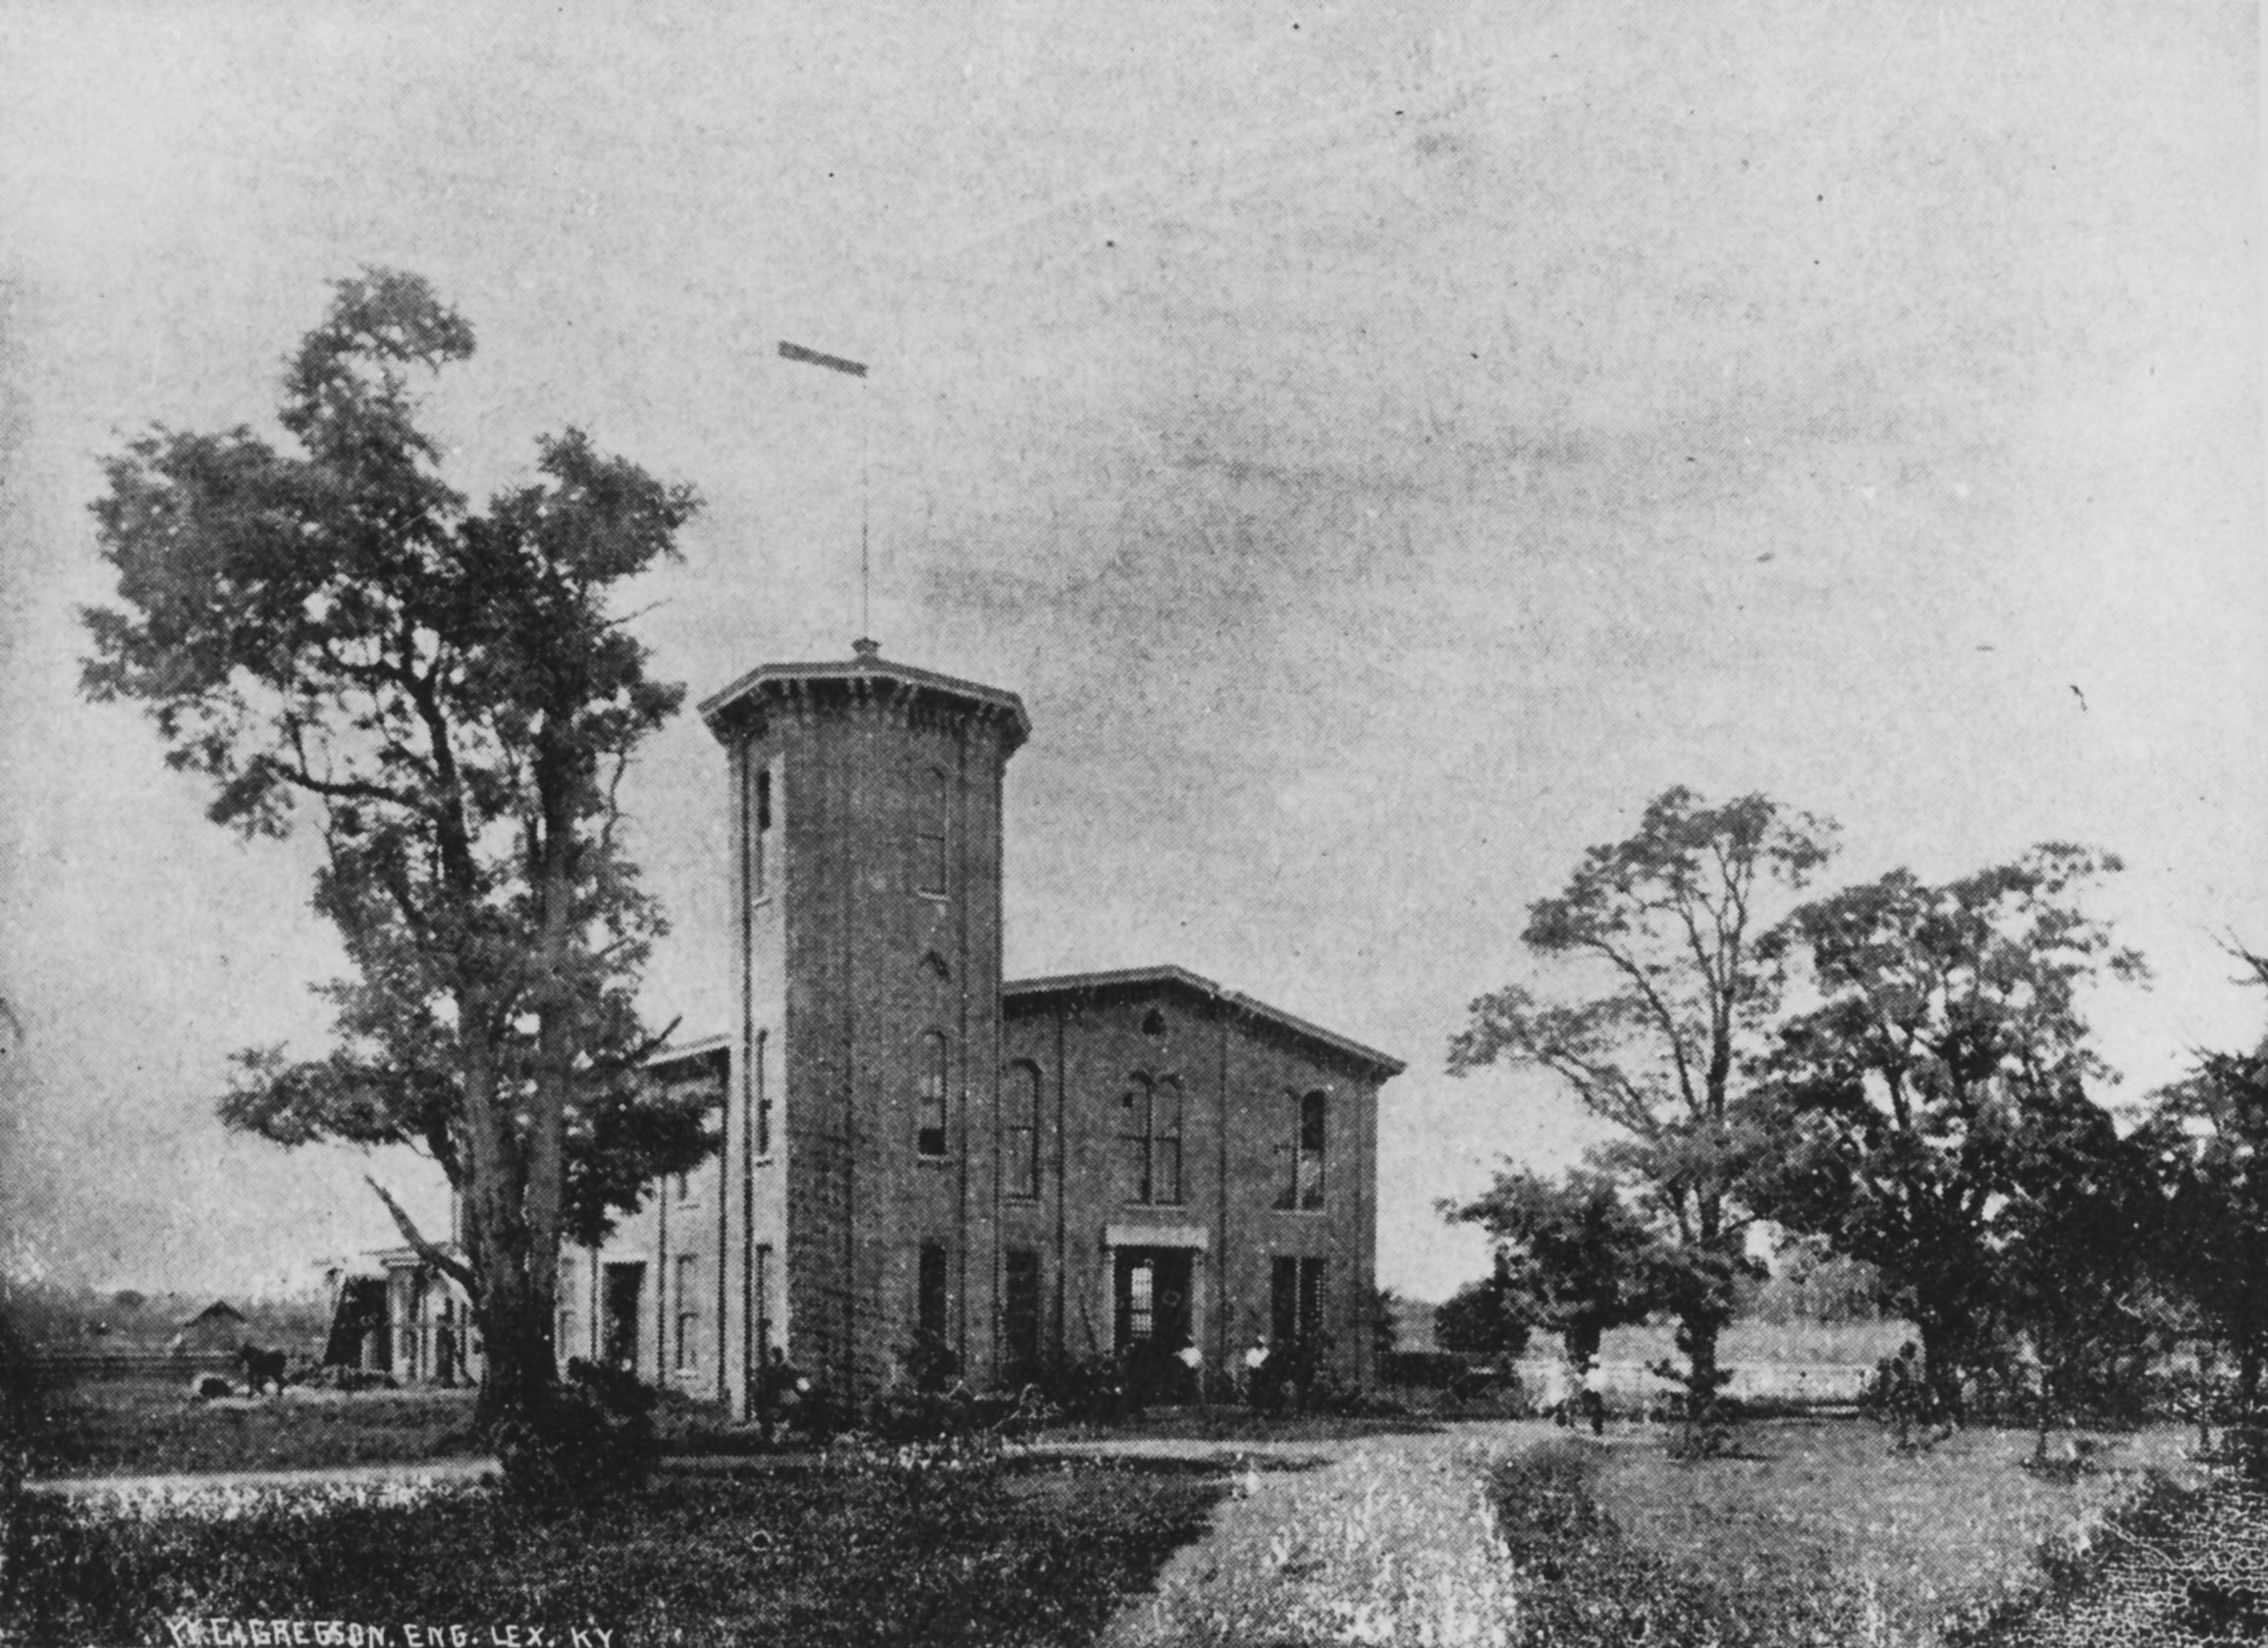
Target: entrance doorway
625,1288
1151,1293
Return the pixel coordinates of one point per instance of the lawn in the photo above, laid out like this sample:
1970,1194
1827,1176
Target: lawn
1921,1533
863,1551
96,1428
1811,1531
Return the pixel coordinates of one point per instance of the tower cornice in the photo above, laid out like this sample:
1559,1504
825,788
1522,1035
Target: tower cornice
868,679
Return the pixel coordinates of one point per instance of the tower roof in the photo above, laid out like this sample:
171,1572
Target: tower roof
866,673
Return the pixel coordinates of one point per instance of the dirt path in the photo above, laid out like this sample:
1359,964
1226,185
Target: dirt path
1384,1539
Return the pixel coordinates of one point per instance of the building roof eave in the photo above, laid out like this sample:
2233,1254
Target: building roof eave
1169,976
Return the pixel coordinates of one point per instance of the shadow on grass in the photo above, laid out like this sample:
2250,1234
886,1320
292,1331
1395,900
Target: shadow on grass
821,1557
1588,1586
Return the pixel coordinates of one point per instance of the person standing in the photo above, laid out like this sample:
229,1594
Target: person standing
1552,1403
1594,1395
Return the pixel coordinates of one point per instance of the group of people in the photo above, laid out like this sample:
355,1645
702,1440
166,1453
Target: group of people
1569,1397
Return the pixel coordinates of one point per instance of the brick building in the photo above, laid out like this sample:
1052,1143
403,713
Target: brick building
923,1164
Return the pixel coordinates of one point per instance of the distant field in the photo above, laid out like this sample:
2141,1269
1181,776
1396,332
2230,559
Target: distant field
1744,1341
1768,1342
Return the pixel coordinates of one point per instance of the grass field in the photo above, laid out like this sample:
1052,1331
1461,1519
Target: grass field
868,1554
1813,1531
104,1428
1921,1533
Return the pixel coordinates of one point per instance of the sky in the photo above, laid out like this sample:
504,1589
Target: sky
1384,445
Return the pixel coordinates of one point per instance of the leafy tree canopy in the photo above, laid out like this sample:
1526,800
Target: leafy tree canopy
2210,1136
1914,1105
1655,941
1571,1256
329,633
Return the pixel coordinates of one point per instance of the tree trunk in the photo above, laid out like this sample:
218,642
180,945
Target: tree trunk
1701,1331
1940,1363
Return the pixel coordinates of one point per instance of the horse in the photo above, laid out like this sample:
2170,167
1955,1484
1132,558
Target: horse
262,1367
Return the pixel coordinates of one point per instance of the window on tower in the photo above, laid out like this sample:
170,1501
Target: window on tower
933,834
930,1100
763,848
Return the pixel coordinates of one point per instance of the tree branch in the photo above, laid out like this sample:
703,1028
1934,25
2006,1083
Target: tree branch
446,1263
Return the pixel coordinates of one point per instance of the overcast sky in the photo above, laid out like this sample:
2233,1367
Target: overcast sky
1384,445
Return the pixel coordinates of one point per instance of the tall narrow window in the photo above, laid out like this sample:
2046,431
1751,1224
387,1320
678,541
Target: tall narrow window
1296,1298
763,1093
1020,1092
1020,1314
931,1296
1302,1182
1150,1140
1134,1140
932,834
1165,1142
565,1341
763,1310
930,1119
761,868
688,1312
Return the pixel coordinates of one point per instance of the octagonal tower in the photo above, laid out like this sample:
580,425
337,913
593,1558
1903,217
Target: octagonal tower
860,1135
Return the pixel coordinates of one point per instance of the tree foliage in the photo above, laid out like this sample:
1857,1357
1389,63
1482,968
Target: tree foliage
1923,1106
1571,1257
1481,1318
1657,935
327,634
2209,1134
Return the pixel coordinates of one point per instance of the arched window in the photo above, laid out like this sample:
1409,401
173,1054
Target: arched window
1020,1093
1165,1142
1150,1140
930,1104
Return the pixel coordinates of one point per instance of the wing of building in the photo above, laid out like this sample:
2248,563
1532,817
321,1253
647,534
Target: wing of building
927,1171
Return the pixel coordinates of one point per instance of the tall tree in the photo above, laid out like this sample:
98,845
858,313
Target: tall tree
2210,1135
1911,1106
1661,930
325,630
2075,1271
1571,1256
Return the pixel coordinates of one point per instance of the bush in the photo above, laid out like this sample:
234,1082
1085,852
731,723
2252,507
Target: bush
1089,1388
1425,1371
594,1439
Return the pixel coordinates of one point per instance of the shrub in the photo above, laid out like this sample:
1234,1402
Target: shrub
592,1440
1428,1370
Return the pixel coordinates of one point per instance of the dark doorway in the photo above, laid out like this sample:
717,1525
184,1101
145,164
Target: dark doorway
1152,1297
625,1288
1020,1316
